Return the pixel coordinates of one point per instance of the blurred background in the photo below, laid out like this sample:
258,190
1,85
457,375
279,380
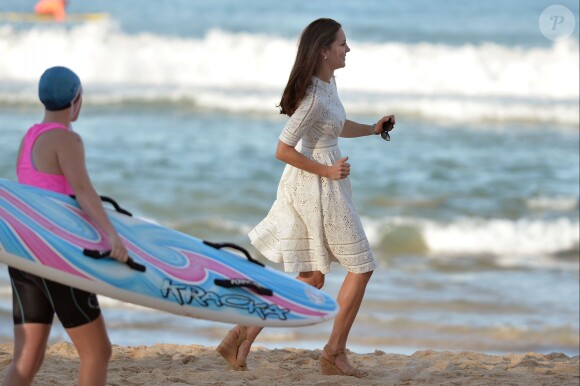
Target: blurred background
472,208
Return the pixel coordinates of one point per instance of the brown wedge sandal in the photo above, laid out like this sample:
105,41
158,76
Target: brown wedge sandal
328,366
228,348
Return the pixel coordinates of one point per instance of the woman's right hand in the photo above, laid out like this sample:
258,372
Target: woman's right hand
118,248
339,170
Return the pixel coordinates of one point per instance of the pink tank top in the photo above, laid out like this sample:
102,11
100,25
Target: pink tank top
25,169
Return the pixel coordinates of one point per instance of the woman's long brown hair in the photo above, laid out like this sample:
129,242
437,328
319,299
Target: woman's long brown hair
317,35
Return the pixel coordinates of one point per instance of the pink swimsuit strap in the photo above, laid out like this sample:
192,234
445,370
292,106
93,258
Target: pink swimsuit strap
26,170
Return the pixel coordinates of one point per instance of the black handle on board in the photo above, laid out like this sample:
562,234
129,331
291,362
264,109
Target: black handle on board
230,283
234,246
112,202
100,255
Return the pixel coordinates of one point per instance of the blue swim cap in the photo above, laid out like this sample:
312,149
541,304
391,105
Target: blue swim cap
58,87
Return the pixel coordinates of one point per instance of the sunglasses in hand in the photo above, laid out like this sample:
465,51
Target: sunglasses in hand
387,126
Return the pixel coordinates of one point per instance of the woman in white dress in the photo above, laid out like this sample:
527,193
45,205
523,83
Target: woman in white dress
314,221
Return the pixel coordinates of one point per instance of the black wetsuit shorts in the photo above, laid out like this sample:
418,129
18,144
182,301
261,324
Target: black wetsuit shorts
36,300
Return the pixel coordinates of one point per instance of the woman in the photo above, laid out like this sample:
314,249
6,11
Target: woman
313,221
52,157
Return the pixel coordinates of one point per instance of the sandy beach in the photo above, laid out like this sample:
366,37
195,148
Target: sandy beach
164,364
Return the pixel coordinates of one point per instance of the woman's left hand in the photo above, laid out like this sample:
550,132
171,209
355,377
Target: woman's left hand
389,119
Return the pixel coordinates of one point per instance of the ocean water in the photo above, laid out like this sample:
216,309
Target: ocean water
472,209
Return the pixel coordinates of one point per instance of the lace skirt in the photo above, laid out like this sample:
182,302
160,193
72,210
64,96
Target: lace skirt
314,222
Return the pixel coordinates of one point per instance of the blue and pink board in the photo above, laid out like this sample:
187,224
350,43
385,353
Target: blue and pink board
47,234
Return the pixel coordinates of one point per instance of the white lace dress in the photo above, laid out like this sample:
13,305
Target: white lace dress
314,221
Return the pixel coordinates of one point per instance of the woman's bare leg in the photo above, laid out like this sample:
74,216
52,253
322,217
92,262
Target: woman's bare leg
349,299
94,348
313,278
29,348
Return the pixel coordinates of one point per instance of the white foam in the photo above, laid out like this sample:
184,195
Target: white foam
246,72
502,236
476,236
517,240
558,203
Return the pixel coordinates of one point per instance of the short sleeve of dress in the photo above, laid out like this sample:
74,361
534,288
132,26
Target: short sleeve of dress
308,112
